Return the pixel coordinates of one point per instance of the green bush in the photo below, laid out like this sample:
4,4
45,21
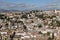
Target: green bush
39,25
49,38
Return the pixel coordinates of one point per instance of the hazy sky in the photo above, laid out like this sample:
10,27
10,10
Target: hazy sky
28,4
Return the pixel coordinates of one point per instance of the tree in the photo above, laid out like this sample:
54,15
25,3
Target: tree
11,36
58,23
49,38
48,33
40,16
40,32
52,35
39,25
0,26
24,27
24,16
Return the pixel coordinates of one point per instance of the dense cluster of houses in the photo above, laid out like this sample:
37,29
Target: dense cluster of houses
31,25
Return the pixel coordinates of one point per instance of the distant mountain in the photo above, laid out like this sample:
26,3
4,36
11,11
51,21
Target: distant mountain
3,10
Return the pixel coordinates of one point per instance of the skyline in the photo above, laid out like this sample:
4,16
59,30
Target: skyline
29,4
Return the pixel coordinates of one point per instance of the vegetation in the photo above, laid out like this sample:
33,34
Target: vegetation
58,23
52,35
40,15
24,27
3,16
24,16
49,38
39,25
40,32
12,36
48,33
